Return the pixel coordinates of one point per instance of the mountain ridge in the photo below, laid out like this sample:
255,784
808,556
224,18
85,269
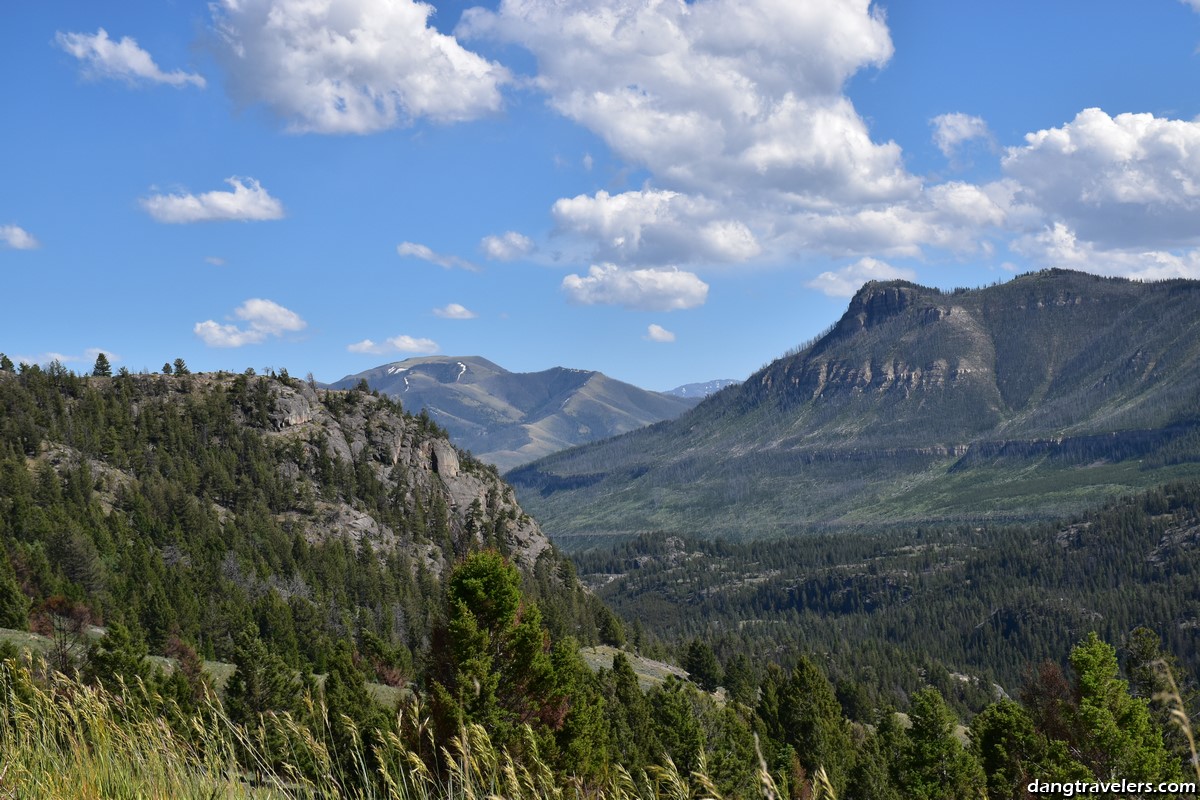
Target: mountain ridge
509,418
1051,370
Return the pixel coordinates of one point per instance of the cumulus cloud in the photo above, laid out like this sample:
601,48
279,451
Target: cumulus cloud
641,289
1058,246
847,280
951,131
262,319
506,247
42,359
654,227
738,101
954,216
248,202
89,355
123,60
17,238
355,66
415,250
454,311
657,333
396,344
1126,182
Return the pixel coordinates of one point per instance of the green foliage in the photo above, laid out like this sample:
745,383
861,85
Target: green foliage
886,607
701,665
1118,736
492,665
116,660
935,764
101,369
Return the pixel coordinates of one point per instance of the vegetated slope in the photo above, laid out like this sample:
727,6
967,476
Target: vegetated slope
198,507
510,418
904,605
1013,401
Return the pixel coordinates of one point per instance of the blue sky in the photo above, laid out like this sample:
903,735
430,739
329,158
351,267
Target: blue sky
664,191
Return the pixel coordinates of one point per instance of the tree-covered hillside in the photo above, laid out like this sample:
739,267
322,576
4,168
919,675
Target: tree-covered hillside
197,507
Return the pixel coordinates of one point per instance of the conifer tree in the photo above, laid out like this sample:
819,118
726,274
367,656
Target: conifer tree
936,766
702,666
492,663
1119,737
101,369
116,660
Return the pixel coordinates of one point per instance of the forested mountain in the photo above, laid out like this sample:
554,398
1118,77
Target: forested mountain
510,418
1017,401
195,507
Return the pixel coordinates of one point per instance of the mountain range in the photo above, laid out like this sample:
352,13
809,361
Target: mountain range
1014,401
511,418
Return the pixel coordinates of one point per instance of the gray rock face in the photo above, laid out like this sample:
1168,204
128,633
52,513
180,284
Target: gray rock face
355,428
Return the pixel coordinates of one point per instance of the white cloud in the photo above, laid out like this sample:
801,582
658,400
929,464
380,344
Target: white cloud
657,333
354,66
1126,182
847,280
248,202
506,247
89,356
415,250
396,344
262,318
17,238
454,311
1058,246
1195,4
641,289
42,359
953,216
735,107
654,227
951,131
216,261
92,352
123,60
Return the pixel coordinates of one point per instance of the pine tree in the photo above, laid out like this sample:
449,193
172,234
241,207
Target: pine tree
101,369
1119,736
702,666
116,660
14,605
492,663
936,766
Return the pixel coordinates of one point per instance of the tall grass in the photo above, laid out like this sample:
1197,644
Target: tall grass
60,738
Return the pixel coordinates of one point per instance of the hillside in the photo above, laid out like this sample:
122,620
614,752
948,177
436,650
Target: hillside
196,507
511,418
1016,401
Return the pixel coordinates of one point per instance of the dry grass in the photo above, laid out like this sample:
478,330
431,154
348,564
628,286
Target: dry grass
62,739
